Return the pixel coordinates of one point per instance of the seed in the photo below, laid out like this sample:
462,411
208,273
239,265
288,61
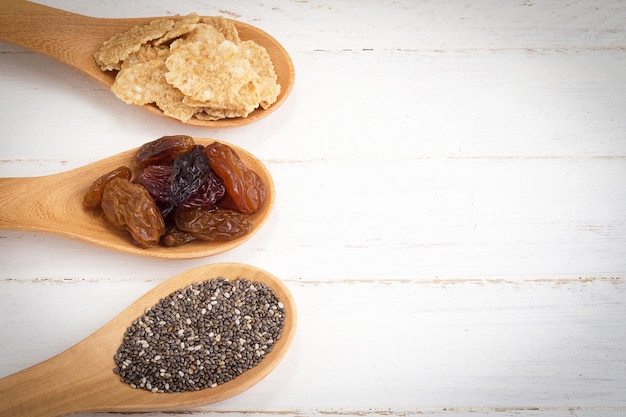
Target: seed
208,333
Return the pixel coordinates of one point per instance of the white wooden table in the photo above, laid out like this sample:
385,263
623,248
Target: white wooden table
450,213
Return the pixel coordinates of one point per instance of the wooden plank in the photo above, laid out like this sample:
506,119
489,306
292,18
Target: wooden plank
404,218
458,344
356,24
498,104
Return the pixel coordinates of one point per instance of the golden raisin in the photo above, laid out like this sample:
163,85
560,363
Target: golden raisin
244,186
93,196
130,206
213,225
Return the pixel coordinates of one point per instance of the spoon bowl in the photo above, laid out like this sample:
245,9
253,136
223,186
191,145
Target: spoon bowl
72,39
81,379
54,204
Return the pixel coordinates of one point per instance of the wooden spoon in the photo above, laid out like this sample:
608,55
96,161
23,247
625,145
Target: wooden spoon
81,379
53,204
72,39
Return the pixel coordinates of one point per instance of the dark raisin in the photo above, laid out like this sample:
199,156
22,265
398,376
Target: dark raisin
189,171
156,179
210,193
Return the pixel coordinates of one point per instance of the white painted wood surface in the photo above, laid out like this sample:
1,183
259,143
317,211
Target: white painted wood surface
450,215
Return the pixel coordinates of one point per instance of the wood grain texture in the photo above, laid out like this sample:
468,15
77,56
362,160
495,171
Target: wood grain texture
450,210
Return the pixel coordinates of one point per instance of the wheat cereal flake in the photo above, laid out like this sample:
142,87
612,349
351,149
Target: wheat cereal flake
206,73
226,79
191,67
224,26
180,28
146,53
144,83
201,33
261,63
119,46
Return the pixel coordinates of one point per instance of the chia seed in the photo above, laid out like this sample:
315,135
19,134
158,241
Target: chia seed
200,336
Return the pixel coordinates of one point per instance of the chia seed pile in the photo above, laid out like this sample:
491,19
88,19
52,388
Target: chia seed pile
200,336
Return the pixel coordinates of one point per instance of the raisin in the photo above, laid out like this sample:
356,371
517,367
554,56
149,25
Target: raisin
243,185
130,206
164,150
189,171
93,196
213,225
174,237
211,191
156,179
177,177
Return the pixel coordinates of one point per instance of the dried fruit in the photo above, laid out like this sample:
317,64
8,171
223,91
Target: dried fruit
93,196
163,151
211,191
177,196
174,237
130,206
243,185
189,171
156,179
213,225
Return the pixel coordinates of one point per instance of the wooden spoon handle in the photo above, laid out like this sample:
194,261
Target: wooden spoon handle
52,388
67,37
32,393
18,209
43,29
39,204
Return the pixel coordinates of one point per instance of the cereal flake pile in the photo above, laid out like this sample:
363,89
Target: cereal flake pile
194,67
